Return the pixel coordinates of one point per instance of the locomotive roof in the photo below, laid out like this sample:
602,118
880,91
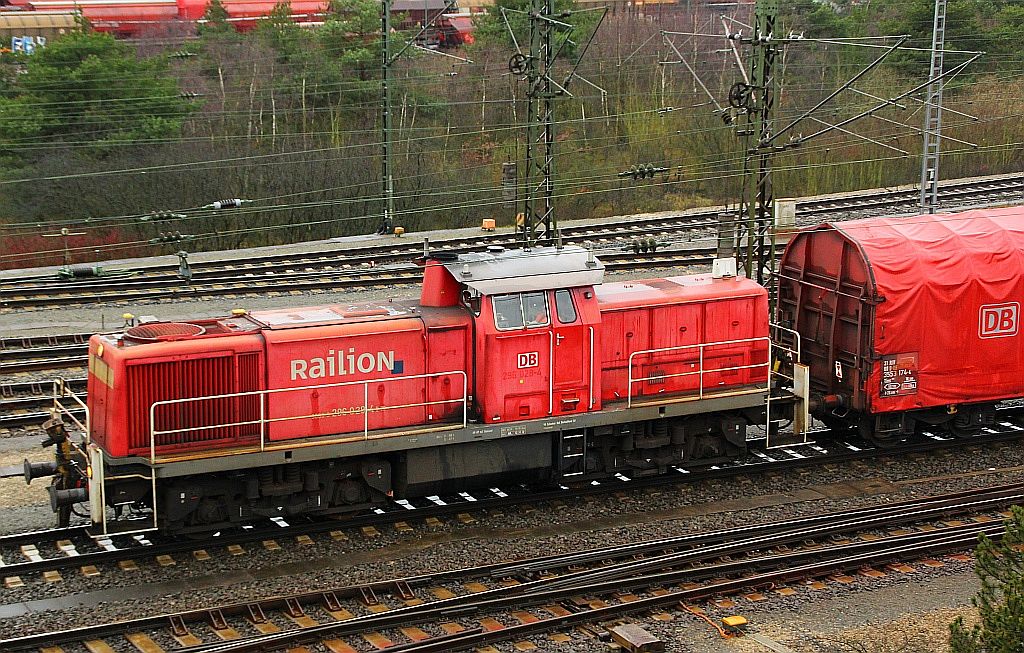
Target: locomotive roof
518,270
307,316
674,290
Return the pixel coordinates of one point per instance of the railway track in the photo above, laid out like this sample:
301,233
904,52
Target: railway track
396,274
27,403
381,265
45,558
457,609
951,193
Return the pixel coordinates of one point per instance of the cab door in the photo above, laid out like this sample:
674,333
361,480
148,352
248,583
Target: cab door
514,365
571,353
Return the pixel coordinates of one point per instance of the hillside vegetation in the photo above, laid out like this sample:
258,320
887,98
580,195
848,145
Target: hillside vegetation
122,142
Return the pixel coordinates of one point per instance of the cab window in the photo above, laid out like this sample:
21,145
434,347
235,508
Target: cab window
508,312
522,310
564,308
535,308
471,300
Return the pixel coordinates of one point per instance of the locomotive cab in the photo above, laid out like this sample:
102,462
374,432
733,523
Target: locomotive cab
536,321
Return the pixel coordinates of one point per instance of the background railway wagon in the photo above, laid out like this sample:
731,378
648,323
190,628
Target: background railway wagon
134,18
47,24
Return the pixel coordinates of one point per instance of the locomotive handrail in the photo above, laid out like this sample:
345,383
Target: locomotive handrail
700,346
263,421
796,340
799,389
60,390
795,351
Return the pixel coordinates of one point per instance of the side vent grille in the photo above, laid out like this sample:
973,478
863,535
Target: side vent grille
203,420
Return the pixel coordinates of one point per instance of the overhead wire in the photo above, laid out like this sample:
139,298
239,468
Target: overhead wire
326,149
98,223
432,209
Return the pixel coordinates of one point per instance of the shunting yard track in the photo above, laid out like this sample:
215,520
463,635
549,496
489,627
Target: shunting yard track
453,610
384,265
38,353
28,403
335,277
44,558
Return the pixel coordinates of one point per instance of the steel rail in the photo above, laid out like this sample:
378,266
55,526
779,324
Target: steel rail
765,579
638,225
35,418
405,275
14,399
349,259
842,452
533,594
28,353
707,546
32,342
35,365
855,200
32,537
16,388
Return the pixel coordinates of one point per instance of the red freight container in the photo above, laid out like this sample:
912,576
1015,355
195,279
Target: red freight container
245,14
658,335
121,16
907,313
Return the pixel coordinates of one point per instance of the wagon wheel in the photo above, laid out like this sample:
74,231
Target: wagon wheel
866,430
964,432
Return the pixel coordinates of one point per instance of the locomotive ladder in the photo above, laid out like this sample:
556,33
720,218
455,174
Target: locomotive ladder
95,472
572,452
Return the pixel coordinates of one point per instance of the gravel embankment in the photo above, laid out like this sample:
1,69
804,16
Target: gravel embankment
631,516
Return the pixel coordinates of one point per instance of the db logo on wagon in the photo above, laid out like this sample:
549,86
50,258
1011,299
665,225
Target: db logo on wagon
529,359
999,320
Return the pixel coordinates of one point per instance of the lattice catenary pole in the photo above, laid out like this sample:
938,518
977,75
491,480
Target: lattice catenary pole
933,114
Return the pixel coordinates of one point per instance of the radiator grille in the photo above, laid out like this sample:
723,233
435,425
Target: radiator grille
151,382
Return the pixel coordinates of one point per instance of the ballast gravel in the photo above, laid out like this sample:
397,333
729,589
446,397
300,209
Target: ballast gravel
627,516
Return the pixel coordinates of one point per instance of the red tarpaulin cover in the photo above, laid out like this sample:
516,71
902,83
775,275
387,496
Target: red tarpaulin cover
948,328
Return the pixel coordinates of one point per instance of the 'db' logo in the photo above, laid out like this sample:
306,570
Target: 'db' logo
999,320
529,359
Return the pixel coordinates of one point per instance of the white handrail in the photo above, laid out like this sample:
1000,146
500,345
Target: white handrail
591,383
796,340
365,409
60,391
700,346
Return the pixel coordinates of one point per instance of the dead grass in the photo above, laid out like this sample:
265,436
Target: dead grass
13,491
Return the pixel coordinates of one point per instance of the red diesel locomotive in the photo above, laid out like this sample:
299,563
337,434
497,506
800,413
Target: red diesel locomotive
512,365
525,365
